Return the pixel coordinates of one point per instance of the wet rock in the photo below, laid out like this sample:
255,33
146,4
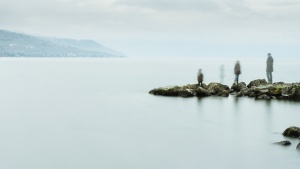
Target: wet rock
252,94
298,147
284,143
202,92
225,93
263,97
285,91
239,94
239,86
257,82
166,91
276,90
186,92
292,132
246,91
204,86
216,88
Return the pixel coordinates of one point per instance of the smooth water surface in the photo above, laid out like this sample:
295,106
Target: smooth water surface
78,113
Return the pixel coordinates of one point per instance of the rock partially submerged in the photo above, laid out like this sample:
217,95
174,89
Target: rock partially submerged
292,132
258,89
284,143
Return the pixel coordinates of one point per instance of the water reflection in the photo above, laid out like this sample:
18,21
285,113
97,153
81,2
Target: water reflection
268,115
236,103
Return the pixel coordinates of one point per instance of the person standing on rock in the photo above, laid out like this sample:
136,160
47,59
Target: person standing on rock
200,77
269,68
237,71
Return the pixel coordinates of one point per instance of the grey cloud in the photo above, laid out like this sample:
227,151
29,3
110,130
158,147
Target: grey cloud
142,21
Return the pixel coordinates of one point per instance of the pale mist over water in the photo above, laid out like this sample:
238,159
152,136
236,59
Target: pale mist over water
75,113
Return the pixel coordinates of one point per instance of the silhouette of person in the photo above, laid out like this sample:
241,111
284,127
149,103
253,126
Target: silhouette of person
200,77
222,74
237,71
269,68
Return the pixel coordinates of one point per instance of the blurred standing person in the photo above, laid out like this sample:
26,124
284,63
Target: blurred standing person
200,77
269,68
237,71
222,74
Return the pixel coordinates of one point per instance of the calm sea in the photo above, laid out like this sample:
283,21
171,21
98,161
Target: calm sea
88,113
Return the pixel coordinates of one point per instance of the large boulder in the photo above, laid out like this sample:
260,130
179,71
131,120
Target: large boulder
200,91
238,87
257,82
276,90
166,91
292,132
291,90
216,88
186,92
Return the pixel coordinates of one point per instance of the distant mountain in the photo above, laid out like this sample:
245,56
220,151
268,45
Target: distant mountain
22,45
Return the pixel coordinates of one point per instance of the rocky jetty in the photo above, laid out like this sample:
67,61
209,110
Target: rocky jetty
258,89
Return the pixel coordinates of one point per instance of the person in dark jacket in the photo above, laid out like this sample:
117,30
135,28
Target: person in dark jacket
200,77
237,71
269,68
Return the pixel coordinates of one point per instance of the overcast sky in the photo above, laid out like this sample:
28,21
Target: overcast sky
178,28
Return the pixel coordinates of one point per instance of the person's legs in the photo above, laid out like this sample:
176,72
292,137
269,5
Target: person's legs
269,76
236,78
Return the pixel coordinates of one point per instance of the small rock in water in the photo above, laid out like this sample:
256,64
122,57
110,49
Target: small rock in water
298,147
292,132
284,143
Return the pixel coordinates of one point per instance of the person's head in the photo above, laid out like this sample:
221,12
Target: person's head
237,62
269,54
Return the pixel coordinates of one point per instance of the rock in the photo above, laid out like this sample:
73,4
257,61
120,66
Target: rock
292,132
285,91
246,91
202,92
284,143
216,88
252,94
204,86
291,91
239,94
257,82
186,92
276,90
225,93
239,86
166,91
263,97
298,147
